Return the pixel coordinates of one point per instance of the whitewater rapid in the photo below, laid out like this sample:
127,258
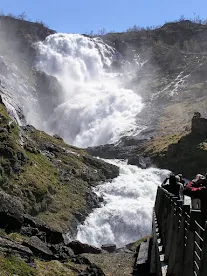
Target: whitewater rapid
95,107
126,214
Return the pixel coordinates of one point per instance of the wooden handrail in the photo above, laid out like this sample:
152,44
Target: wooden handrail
181,235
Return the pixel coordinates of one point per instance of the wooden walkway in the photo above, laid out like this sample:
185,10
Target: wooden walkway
179,242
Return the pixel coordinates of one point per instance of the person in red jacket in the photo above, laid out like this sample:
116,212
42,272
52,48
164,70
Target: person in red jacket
198,189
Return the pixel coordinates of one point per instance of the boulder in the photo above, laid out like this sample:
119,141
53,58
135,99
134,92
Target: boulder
39,248
11,213
11,247
62,252
56,136
4,242
80,248
92,270
51,236
109,247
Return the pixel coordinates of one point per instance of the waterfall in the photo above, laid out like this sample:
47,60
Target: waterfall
91,106
95,107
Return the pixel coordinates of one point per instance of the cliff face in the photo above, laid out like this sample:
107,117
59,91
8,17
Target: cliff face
172,80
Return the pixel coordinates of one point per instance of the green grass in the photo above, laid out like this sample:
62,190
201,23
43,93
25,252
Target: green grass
10,266
49,177
55,268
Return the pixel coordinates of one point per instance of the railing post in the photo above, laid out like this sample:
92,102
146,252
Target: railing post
203,269
189,249
170,221
174,243
165,219
181,242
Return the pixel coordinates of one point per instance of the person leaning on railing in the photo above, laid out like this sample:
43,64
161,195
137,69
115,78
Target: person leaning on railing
172,185
197,189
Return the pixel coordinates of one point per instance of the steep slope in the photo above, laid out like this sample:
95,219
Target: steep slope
49,178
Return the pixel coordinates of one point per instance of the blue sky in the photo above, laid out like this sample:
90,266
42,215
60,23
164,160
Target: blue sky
82,16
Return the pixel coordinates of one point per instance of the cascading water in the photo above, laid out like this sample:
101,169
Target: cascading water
126,213
95,107
92,108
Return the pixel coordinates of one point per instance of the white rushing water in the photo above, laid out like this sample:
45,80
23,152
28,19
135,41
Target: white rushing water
95,107
92,107
126,214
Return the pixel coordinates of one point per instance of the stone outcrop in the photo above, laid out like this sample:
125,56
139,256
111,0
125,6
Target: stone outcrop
39,248
80,248
128,148
199,125
11,212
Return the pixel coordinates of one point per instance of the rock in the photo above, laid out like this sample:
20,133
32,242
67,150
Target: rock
62,252
39,248
109,171
139,161
29,231
92,270
109,247
199,125
4,242
12,247
11,213
58,137
32,221
80,248
51,236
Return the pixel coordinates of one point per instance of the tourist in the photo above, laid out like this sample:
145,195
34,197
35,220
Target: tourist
182,181
174,186
197,189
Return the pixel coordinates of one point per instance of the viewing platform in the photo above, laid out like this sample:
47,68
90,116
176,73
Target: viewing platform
179,238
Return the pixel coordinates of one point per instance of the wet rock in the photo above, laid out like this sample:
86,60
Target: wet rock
80,248
109,171
128,148
139,161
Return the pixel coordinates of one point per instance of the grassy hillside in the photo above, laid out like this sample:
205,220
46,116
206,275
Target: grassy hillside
51,179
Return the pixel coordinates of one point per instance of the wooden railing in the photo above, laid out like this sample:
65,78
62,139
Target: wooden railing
179,238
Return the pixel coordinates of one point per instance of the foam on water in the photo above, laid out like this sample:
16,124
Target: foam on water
95,107
126,214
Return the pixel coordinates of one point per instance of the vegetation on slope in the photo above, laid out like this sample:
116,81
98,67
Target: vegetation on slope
180,152
51,179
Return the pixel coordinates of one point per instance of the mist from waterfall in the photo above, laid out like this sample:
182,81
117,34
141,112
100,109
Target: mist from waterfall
95,106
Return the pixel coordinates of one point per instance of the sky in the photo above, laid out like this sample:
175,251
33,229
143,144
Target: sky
84,16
